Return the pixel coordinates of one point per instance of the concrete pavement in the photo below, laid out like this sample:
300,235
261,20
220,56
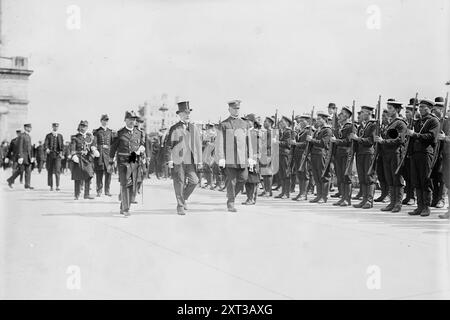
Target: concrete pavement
55,247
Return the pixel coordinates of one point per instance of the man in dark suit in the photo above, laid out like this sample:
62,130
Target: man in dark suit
184,155
234,152
25,158
40,156
11,152
102,165
54,147
127,145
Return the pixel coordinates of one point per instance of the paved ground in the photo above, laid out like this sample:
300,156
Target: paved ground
55,247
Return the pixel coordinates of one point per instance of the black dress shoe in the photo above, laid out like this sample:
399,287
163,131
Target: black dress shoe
108,194
415,212
29,187
9,184
89,197
231,208
425,212
336,195
58,189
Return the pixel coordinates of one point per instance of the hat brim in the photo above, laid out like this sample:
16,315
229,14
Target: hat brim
178,111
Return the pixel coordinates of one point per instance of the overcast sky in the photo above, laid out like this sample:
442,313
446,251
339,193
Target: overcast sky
284,54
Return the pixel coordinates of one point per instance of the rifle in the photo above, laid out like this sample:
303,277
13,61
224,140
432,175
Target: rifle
408,138
349,163
308,145
377,133
276,118
441,126
331,149
292,119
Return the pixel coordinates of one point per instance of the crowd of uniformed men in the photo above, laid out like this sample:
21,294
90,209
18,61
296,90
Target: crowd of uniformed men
402,149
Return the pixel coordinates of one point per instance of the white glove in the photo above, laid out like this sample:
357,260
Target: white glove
47,150
141,150
251,162
222,163
93,148
75,158
6,160
33,159
170,164
96,153
20,161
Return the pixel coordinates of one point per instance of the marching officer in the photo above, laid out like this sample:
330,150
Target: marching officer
83,151
424,136
343,152
140,160
54,148
232,136
437,199
102,165
365,157
265,161
184,156
393,142
284,172
126,146
25,157
299,145
320,146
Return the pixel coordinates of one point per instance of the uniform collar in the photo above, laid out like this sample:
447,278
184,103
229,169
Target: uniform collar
129,130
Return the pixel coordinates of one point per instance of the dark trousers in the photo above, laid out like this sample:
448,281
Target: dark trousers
251,191
125,197
391,160
340,161
19,171
40,165
322,180
437,182
78,185
421,170
185,180
267,181
363,164
99,180
53,167
235,179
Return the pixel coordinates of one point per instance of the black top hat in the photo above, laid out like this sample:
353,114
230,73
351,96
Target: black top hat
130,115
183,106
104,117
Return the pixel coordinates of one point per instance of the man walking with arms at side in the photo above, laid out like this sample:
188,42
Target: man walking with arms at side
102,166
54,148
25,157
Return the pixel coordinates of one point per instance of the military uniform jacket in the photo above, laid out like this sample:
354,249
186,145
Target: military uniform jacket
125,143
40,152
80,145
394,142
184,144
233,142
446,131
321,141
300,144
25,149
55,143
425,134
344,143
103,140
367,136
13,151
286,137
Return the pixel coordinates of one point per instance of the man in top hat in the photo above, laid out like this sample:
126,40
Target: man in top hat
320,147
184,156
437,199
126,146
299,147
409,199
393,141
344,145
365,154
233,152
54,148
83,150
286,136
265,161
25,157
102,165
424,138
